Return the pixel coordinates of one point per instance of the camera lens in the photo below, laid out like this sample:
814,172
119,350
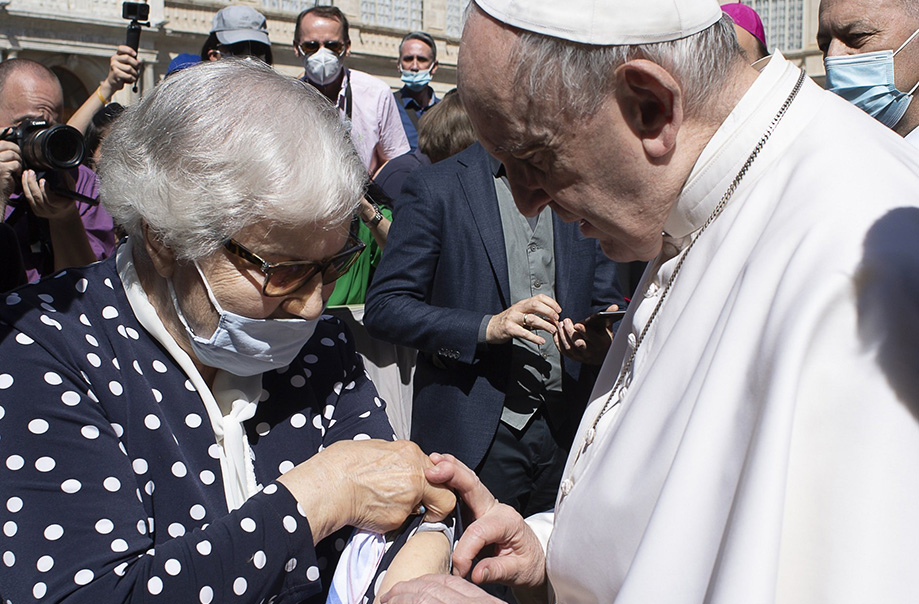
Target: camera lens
56,148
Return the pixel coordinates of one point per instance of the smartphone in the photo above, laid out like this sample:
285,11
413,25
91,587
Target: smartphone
609,316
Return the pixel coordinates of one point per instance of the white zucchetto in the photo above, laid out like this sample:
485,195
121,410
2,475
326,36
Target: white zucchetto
607,22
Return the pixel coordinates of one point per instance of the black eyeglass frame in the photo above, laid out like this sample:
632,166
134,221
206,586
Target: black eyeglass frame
317,268
330,44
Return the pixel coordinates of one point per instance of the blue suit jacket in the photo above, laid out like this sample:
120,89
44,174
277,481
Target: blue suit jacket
443,269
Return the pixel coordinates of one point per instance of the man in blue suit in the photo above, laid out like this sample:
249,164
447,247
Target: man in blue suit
482,291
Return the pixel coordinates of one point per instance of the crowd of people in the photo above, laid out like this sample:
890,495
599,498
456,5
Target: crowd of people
661,286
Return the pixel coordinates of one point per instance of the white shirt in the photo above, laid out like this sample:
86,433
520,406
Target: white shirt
913,137
766,448
376,128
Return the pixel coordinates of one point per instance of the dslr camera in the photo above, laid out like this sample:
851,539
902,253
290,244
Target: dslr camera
45,146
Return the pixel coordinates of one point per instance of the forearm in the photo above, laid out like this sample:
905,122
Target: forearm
123,69
320,506
376,220
425,553
83,117
380,232
70,241
403,319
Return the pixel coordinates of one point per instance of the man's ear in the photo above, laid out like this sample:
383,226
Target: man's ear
434,66
162,257
651,101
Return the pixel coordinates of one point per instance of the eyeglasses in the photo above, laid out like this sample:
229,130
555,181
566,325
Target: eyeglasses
283,278
245,48
308,47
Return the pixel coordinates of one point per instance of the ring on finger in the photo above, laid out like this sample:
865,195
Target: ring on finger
526,325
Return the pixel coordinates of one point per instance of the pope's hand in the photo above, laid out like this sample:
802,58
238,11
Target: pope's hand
519,559
443,589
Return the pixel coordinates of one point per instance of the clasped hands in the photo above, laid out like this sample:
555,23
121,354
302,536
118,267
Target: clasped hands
518,558
375,485
584,341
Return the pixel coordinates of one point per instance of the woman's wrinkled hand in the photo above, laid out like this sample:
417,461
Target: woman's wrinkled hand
369,484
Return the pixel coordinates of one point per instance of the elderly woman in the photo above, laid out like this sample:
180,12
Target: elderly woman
179,423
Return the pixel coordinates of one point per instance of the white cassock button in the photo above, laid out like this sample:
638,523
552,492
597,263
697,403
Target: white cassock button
652,290
566,486
632,340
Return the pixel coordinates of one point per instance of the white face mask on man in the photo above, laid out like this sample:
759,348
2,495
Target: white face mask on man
322,67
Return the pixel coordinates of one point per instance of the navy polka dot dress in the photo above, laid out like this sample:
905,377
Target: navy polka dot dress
110,482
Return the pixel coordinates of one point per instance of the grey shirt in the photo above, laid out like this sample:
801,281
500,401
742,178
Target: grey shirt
536,372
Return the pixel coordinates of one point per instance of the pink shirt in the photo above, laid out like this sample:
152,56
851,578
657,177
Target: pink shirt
376,128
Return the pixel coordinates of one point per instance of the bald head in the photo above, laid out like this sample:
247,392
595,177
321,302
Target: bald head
13,68
28,90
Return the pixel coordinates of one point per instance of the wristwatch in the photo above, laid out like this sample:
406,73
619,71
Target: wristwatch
377,216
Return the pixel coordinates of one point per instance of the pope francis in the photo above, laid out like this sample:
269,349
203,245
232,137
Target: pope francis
754,433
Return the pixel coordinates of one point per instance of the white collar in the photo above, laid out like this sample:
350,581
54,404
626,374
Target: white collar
233,400
729,148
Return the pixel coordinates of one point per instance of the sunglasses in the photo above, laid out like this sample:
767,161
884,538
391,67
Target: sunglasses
246,48
284,278
310,46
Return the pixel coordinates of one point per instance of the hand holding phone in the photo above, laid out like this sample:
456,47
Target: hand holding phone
608,317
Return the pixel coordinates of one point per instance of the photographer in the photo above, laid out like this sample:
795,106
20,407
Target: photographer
54,231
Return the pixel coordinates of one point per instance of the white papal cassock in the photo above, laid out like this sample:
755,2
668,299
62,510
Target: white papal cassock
766,448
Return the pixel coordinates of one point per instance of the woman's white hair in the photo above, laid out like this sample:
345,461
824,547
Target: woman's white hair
577,78
223,145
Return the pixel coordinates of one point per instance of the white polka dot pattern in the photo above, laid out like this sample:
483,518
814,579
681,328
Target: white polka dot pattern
116,429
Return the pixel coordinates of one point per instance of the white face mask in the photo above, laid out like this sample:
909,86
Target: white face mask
244,346
322,67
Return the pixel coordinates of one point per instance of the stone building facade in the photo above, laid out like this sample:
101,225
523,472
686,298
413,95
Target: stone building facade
75,38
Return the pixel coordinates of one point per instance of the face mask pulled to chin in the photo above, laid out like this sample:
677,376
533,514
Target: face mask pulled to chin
416,80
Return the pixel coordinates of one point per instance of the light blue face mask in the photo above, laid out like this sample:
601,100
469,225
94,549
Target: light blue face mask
866,81
416,80
244,346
